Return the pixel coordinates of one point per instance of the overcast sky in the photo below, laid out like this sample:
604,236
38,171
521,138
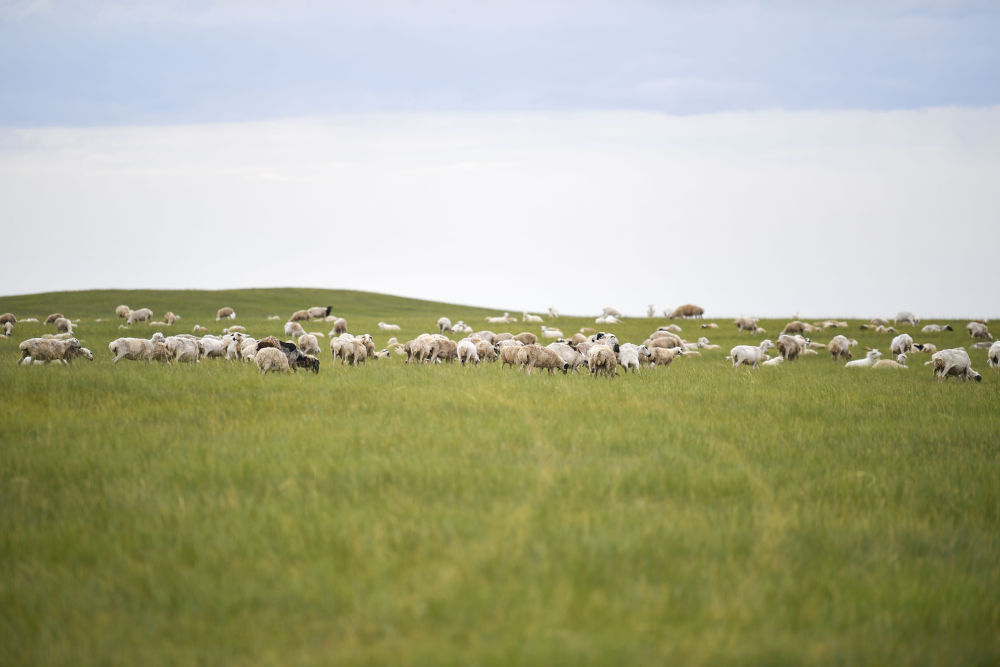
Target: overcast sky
752,157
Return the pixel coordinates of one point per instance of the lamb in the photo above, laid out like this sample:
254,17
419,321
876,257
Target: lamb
954,362
527,338
979,330
871,357
444,324
993,356
551,333
750,355
527,317
790,347
776,361
339,326
299,316
45,350
572,357
688,310
906,317
935,328
385,326
902,344
630,354
182,348
602,361
309,344
534,356
745,323
271,359
122,311
140,349
319,312
141,315
53,317
467,352
839,347
63,325
225,312
294,329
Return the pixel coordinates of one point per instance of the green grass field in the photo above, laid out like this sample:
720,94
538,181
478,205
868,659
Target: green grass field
394,514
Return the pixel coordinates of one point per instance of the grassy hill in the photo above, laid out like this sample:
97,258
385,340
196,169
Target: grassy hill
404,514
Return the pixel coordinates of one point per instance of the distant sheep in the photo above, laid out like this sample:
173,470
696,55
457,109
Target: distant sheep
688,310
461,327
385,326
902,344
978,330
140,315
319,312
122,311
553,313
746,323
444,324
609,311
339,326
294,329
551,332
528,317
299,316
526,337
504,319
906,317
224,313
170,318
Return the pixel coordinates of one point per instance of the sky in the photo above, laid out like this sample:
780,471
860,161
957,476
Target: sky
762,158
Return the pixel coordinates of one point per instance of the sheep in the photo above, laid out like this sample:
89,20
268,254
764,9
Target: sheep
8,328
664,339
507,354
551,332
225,312
745,323
415,350
212,346
503,336
308,344
775,361
608,339
299,316
577,339
444,324
906,317
954,362
871,357
467,351
385,326
608,310
339,326
900,362
486,335
170,318
526,337
236,328
602,361
504,319
140,349
45,350
528,317
630,354
294,329
534,356
979,330
53,317
271,359
929,348
122,311
936,328
443,349
993,356
63,325
796,326
673,328
181,348
705,345
8,318
353,353
553,313
839,347
688,310
140,315
572,357
319,312
274,317
198,329
268,341
790,347
710,325
902,344
485,351
607,319
461,327
750,355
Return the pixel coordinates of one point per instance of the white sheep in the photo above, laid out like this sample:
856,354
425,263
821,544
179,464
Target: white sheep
954,362
271,359
224,313
902,344
936,328
906,317
183,348
44,350
839,347
750,355
993,356
461,327
295,329
504,319
385,326
551,332
444,324
309,344
467,352
979,330
602,361
528,317
629,355
140,349
608,319
553,313
871,357
140,315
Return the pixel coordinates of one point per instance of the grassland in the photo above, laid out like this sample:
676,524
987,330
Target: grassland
396,514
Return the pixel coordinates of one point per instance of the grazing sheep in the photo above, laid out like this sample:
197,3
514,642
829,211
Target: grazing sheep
122,311
905,317
53,317
573,358
935,328
63,325
294,329
507,354
271,359
602,361
705,345
527,338
953,363
8,328
444,324
213,347
750,355
339,326
385,326
224,313
182,348
629,355
319,312
309,345
577,339
534,356
979,330
664,339
8,318
140,349
443,349
140,315
467,352
746,323
790,347
839,347
796,327
268,341
528,317
485,351
553,313
44,350
993,356
299,316
688,310
170,318
902,344
551,333
871,357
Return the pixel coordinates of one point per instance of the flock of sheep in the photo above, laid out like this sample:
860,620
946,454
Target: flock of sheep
599,352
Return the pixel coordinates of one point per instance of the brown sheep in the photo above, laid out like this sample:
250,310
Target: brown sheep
8,318
508,355
662,356
688,310
602,361
443,349
485,351
535,356
53,317
795,327
339,326
268,341
746,323
789,348
527,338
224,313
299,316
63,325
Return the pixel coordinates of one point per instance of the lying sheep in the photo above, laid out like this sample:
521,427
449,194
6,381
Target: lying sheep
953,363
900,362
935,328
750,355
602,361
705,345
505,319
710,325
528,317
839,347
270,360
198,329
225,312
796,327
461,327
385,326
534,356
45,350
551,332
608,319
979,330
673,328
664,339
870,359
8,328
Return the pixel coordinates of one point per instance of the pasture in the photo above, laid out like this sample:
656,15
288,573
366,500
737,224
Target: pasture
407,514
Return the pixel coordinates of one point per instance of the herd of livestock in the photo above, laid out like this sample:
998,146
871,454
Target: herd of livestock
600,352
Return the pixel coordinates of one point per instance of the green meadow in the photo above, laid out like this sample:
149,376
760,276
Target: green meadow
438,515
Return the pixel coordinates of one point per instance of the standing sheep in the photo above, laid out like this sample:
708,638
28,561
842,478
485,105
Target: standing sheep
309,344
979,330
688,310
602,361
48,349
839,347
953,363
63,325
299,316
993,356
750,355
225,312
444,324
270,360
339,326
8,318
319,312
902,344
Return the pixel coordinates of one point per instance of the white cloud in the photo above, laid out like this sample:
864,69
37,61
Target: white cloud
823,213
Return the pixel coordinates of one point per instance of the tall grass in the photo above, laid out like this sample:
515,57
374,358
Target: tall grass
449,515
